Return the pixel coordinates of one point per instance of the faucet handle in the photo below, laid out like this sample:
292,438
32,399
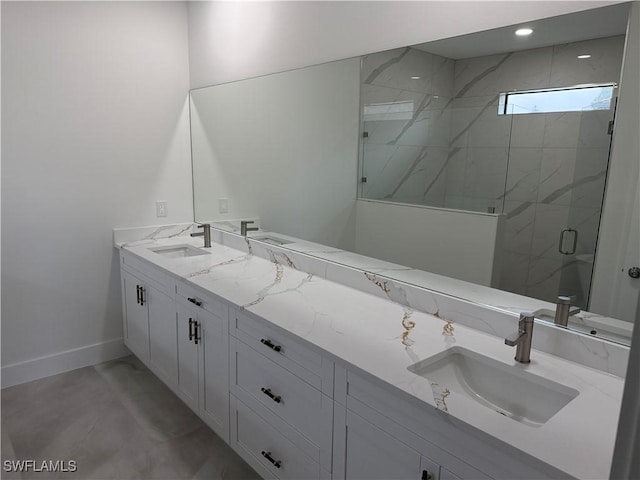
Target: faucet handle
522,340
526,318
206,233
513,339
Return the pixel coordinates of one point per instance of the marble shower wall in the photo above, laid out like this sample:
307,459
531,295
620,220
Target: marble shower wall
407,125
439,141
557,165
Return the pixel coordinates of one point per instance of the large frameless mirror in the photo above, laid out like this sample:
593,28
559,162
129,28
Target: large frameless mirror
481,158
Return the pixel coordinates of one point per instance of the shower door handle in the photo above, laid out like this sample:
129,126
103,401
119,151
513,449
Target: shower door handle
563,233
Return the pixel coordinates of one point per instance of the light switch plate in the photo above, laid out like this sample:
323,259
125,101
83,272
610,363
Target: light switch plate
161,208
223,205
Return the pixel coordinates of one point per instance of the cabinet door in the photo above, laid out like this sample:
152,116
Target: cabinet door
187,385
430,470
136,325
373,454
214,372
162,337
447,475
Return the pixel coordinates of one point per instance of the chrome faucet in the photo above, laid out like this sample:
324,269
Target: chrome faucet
564,310
522,339
206,233
244,228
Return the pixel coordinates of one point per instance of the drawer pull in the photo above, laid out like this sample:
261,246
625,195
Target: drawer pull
268,343
138,294
191,322
142,299
426,475
267,392
267,455
195,301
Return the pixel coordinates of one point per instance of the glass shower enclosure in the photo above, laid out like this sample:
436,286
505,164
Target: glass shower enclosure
434,135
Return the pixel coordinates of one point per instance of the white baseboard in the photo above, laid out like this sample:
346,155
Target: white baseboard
42,367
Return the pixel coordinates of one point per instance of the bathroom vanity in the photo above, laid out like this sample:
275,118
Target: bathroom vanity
306,377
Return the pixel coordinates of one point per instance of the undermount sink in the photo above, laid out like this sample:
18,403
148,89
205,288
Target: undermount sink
506,389
273,240
179,251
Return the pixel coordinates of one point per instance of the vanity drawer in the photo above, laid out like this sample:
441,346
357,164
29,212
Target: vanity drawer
281,348
271,450
295,401
196,297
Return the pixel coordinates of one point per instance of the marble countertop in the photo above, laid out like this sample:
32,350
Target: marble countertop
608,328
383,338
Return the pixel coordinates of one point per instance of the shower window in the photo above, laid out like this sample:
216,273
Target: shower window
570,99
388,111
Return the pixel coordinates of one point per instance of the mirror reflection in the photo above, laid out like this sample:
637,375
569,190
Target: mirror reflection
524,134
478,158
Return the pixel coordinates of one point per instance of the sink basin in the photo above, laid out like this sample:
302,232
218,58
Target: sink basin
507,389
179,251
271,240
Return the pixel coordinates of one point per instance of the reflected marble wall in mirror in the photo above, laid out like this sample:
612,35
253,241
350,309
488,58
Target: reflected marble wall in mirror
436,134
452,187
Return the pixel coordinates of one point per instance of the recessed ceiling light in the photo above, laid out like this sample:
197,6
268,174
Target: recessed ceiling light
416,78
523,32
584,56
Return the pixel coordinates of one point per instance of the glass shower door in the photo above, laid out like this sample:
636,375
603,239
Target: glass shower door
555,188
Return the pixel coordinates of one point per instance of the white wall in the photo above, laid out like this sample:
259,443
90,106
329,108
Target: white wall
233,40
94,130
282,148
457,244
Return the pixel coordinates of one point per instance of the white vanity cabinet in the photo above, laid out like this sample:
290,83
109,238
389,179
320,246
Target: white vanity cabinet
203,356
291,408
149,317
379,434
282,406
136,315
182,335
373,454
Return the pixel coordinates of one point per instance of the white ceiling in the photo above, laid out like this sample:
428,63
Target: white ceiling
596,23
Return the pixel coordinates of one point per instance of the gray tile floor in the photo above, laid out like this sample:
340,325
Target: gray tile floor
116,421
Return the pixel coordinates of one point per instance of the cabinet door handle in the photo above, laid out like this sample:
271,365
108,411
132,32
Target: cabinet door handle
191,329
142,292
267,392
426,475
196,329
267,455
195,301
268,343
138,294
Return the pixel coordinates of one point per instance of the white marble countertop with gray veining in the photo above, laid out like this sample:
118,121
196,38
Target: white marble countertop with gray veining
383,338
607,327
